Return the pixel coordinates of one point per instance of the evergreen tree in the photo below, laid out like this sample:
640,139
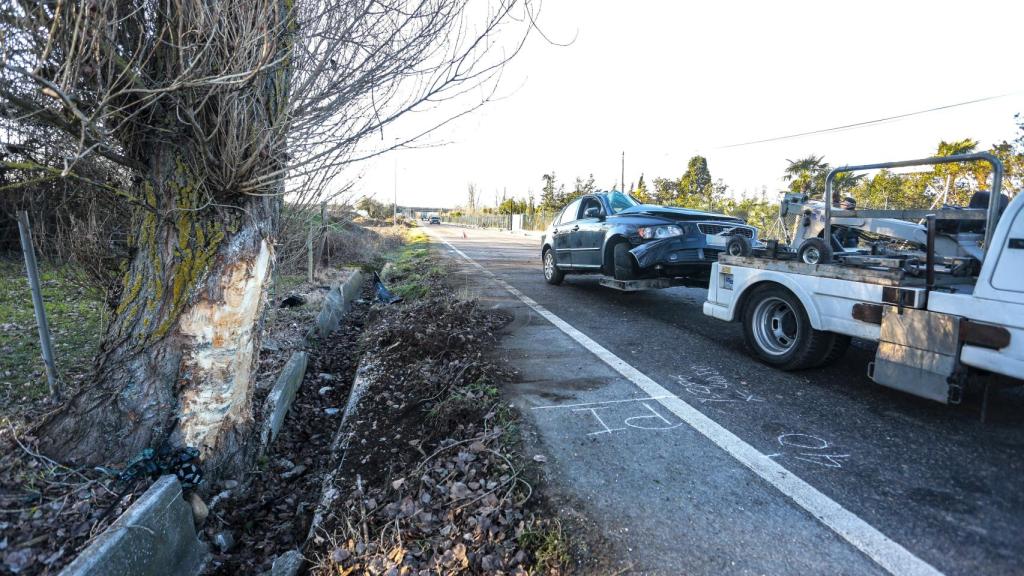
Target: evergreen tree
549,194
641,193
695,187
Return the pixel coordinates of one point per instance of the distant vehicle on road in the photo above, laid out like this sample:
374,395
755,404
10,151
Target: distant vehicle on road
611,233
435,220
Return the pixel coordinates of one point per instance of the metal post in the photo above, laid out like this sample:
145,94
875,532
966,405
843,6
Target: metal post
25,232
309,252
930,255
622,176
323,233
394,216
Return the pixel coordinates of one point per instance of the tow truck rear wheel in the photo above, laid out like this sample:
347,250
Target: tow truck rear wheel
777,330
836,348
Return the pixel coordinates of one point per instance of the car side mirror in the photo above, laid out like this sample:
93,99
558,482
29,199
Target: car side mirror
593,212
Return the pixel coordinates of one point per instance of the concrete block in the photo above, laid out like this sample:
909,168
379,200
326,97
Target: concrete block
287,564
331,313
337,303
281,396
352,287
154,537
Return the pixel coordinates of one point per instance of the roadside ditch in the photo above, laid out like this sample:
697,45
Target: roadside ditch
418,472
428,476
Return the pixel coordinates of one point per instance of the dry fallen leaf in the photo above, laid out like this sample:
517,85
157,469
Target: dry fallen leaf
459,490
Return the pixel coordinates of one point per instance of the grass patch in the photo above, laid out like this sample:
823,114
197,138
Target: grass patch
77,319
414,270
549,545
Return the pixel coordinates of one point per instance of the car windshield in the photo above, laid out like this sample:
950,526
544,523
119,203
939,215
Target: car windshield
619,202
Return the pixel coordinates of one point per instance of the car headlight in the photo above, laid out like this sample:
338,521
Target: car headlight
658,232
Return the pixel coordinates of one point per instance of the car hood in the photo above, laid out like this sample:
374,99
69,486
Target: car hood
674,213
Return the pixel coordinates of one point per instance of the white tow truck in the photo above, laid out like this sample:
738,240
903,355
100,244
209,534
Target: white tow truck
939,316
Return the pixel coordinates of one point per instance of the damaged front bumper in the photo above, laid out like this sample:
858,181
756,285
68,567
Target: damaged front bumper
679,251
673,252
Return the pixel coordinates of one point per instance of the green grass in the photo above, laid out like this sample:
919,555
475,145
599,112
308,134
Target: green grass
76,318
413,267
549,545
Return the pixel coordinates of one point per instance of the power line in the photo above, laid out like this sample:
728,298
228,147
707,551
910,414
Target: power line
869,122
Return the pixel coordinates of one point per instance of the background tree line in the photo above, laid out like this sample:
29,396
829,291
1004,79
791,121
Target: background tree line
697,189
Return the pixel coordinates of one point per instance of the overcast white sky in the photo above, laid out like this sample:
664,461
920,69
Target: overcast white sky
664,80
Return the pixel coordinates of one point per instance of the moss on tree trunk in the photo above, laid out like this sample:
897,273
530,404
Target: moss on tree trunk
177,359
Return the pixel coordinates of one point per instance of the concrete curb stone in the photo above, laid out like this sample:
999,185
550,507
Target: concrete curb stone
336,304
280,398
155,536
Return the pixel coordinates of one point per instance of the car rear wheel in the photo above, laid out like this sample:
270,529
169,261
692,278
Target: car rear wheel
552,275
625,268
776,328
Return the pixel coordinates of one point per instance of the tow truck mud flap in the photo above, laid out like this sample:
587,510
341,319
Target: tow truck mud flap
917,353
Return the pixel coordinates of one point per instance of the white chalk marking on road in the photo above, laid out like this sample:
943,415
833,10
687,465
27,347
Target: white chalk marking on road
886,552
668,425
606,430
548,406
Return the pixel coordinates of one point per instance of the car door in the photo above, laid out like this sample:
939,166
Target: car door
562,235
588,235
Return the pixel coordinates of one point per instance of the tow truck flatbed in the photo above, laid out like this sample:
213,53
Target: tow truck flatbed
935,333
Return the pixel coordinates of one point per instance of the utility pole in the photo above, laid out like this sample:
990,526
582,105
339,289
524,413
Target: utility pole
622,179
25,232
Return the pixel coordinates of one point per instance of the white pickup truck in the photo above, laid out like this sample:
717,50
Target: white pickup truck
933,332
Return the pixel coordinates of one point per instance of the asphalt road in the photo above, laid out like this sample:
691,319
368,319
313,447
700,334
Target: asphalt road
943,486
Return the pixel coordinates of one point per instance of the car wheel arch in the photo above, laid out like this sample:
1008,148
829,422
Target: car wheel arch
608,252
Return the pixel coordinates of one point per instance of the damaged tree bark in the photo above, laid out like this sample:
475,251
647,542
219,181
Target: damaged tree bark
177,360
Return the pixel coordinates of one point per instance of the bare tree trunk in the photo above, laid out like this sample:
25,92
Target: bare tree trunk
177,360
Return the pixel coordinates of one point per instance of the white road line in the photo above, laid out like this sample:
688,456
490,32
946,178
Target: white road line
883,550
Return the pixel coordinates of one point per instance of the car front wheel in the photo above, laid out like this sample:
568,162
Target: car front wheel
552,275
625,269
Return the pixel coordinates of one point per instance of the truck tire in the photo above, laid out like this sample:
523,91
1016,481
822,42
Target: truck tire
552,275
814,251
836,348
777,330
738,245
625,267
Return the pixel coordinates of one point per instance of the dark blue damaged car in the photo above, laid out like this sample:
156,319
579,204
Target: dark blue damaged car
611,233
